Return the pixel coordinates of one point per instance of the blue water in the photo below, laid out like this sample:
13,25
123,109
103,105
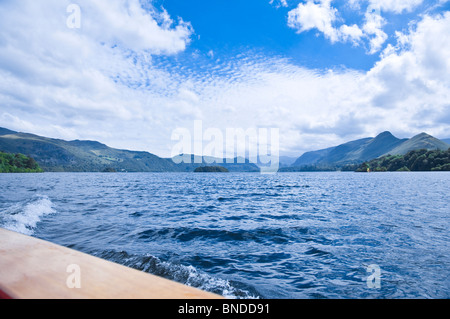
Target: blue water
245,235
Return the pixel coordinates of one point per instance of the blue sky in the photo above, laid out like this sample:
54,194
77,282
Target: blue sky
321,71
227,27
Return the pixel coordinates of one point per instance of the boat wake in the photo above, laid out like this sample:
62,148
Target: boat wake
187,275
23,217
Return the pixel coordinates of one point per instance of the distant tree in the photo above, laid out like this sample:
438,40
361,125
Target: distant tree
18,163
210,169
418,160
30,163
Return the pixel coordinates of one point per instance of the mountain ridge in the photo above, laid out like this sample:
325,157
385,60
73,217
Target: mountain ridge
365,149
419,141
57,155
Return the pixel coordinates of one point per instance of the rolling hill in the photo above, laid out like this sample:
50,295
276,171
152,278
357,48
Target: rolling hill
287,160
362,150
232,164
352,152
56,155
421,141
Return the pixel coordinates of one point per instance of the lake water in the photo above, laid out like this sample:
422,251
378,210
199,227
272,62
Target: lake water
247,235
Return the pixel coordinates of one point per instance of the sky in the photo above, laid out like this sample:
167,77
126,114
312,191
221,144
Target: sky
129,73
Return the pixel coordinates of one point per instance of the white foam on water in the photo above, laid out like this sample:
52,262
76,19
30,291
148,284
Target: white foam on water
185,274
192,277
23,218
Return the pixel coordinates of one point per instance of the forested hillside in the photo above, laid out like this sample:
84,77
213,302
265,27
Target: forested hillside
419,160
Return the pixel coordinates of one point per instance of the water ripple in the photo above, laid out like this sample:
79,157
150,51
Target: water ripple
299,235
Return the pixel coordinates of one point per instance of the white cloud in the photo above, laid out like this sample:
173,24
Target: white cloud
323,17
311,15
351,33
85,77
406,92
279,3
412,78
373,29
126,23
396,6
74,84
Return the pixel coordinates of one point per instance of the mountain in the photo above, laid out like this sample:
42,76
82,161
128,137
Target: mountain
446,140
5,131
56,155
232,164
352,152
312,158
421,141
287,160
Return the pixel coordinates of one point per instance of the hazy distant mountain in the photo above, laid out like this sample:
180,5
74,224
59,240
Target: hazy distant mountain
446,140
287,160
91,156
352,152
56,155
233,164
312,158
421,141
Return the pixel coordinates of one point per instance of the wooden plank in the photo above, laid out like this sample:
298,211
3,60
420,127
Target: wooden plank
31,268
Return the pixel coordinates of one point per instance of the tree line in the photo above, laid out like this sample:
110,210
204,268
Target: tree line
18,163
417,160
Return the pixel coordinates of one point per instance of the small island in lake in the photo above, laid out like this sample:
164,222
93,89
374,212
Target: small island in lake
211,169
